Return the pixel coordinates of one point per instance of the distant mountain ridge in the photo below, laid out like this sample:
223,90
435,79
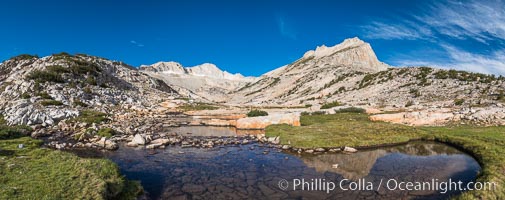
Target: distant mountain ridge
205,81
205,69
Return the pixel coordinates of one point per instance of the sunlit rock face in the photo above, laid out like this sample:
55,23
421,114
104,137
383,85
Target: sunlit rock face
263,121
293,82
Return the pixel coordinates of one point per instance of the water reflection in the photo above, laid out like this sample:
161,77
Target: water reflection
246,172
359,165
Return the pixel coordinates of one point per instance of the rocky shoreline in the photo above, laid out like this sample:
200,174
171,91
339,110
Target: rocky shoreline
163,140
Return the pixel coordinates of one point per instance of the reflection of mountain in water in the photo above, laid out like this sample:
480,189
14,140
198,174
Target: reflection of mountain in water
409,157
424,149
350,166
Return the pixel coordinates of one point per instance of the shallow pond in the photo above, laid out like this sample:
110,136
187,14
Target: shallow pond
255,171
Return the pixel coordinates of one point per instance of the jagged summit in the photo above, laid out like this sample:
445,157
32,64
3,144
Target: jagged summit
352,52
323,50
205,69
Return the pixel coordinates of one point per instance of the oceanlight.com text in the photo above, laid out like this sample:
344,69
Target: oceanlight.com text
384,184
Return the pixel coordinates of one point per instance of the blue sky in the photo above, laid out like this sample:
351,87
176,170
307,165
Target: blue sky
253,37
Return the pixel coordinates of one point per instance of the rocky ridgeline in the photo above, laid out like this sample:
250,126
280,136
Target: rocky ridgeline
72,82
55,92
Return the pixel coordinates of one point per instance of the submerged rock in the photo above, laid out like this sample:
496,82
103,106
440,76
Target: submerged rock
107,144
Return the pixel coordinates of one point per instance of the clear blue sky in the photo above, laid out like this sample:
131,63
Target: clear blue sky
253,37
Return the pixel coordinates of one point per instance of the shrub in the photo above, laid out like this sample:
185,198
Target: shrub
305,113
459,102
37,86
45,76
11,132
330,105
57,69
106,132
83,67
78,102
442,74
51,103
62,54
24,57
256,113
2,120
351,110
409,103
91,116
367,80
415,92
44,95
341,89
87,90
26,95
91,80
500,96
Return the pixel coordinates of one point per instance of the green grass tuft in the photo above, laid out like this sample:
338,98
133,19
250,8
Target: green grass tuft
257,113
330,105
45,76
51,103
351,110
106,132
91,116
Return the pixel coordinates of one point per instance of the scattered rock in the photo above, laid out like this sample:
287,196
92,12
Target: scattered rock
350,150
139,140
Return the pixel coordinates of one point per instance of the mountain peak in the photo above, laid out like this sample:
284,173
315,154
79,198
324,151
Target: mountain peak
323,50
352,52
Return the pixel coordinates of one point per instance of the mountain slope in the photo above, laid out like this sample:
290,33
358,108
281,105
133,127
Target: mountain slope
46,90
316,70
350,73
